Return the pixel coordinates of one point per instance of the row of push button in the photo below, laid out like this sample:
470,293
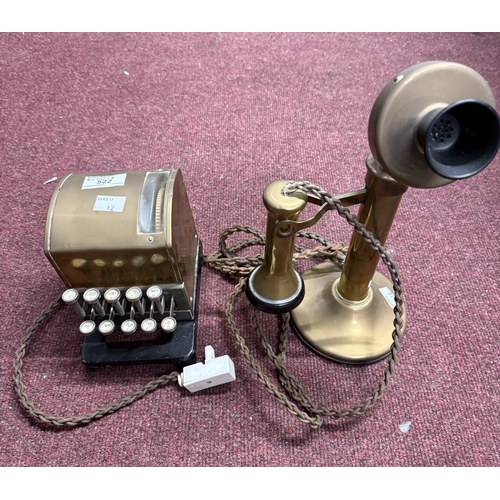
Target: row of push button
93,307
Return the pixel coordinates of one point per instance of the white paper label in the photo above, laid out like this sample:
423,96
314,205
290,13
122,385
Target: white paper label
109,203
389,296
103,181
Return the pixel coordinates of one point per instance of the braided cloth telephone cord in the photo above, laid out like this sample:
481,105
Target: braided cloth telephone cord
294,397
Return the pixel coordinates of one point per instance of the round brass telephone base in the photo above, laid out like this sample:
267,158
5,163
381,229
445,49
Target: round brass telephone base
343,331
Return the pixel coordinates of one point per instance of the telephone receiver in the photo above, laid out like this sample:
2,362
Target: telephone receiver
126,246
434,123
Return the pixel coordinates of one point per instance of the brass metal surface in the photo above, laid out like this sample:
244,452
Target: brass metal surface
288,227
347,314
347,199
276,280
148,240
344,331
377,214
409,101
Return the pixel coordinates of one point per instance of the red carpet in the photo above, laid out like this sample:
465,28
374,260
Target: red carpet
236,112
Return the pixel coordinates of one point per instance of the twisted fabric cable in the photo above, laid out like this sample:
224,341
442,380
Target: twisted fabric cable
295,398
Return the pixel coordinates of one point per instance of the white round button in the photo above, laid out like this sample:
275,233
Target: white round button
129,326
87,327
168,324
106,327
112,295
154,292
91,295
133,294
148,325
70,296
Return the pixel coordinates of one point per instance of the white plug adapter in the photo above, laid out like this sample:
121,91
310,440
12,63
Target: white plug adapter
215,371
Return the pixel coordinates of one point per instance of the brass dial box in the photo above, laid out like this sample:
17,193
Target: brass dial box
124,235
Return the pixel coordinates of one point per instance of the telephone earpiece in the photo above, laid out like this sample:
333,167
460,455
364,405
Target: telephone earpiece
434,123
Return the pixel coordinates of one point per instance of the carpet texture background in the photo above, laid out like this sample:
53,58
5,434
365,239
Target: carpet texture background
236,111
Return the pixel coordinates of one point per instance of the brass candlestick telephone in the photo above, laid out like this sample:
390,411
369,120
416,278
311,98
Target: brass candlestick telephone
126,246
432,124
